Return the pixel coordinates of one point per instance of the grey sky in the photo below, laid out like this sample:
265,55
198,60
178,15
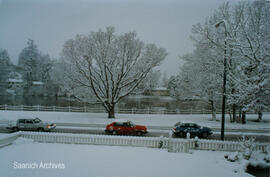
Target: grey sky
51,22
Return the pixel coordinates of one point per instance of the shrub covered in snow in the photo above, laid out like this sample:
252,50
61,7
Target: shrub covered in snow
258,160
267,157
247,146
161,142
232,157
248,156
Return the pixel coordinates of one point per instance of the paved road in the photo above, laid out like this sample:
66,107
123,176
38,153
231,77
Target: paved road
153,132
157,133
162,127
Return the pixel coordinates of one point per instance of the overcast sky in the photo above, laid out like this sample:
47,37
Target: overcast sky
51,22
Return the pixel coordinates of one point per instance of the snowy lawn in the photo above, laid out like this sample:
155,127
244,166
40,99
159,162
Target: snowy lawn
113,161
146,119
3,135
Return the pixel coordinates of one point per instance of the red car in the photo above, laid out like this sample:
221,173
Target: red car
125,127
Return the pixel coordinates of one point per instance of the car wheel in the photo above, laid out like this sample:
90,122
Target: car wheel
15,129
181,134
204,135
40,129
139,133
114,132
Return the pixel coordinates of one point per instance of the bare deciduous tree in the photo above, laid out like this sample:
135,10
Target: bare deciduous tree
108,65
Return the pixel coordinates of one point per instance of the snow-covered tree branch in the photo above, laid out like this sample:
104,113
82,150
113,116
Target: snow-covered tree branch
110,66
244,40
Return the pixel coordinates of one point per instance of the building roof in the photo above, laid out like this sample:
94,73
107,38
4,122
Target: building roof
15,80
37,83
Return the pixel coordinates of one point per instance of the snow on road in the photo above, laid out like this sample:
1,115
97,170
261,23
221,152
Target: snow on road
146,119
103,161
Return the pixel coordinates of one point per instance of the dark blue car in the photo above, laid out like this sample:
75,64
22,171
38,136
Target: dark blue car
181,130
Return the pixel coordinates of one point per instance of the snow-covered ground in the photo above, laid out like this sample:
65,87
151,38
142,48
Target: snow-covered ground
3,135
103,161
146,119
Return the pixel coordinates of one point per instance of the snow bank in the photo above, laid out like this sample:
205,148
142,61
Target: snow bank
21,140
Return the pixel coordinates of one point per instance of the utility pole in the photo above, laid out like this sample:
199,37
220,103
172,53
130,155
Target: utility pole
224,80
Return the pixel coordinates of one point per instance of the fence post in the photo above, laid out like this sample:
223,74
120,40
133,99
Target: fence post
37,107
53,108
186,147
177,111
84,109
5,107
170,148
21,107
68,108
196,139
188,136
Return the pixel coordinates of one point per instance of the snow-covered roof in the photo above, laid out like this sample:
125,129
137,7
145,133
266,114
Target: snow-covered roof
10,91
15,80
37,83
187,122
120,120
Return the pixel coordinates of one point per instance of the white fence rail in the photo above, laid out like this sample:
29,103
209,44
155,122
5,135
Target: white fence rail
100,110
173,145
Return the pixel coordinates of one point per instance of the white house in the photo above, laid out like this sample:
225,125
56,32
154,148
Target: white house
15,83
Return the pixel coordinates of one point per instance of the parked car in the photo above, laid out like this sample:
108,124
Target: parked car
31,124
181,130
125,127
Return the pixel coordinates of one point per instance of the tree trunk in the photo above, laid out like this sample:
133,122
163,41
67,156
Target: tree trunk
234,112
259,116
244,117
230,114
213,110
232,86
111,114
239,115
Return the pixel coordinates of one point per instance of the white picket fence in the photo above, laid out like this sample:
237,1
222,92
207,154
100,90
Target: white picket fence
173,145
217,145
101,110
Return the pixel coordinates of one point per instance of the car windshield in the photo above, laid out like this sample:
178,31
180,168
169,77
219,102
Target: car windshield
37,120
29,121
196,126
177,124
